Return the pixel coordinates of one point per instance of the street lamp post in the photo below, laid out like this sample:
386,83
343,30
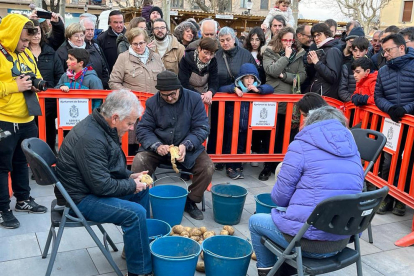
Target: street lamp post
249,6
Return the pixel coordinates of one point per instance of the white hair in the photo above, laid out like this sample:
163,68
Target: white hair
122,102
89,16
227,31
87,19
209,20
325,113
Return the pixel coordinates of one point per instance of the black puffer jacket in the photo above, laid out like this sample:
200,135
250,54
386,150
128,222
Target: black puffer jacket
327,71
91,161
236,57
107,41
50,66
95,60
57,35
348,83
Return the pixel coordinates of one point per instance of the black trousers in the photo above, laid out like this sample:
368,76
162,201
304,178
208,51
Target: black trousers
12,159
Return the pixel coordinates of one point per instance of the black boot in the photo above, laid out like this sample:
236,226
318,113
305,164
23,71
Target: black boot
265,173
192,209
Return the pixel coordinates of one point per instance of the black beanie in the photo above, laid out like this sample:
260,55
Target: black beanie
158,9
167,81
355,32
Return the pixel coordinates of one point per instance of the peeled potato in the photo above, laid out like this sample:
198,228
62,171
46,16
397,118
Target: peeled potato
178,229
229,229
203,229
147,179
185,233
254,256
200,266
224,232
196,238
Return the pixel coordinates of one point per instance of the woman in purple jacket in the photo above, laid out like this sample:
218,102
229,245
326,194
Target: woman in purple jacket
323,161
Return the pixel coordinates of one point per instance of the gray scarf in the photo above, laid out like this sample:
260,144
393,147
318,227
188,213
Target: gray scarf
200,65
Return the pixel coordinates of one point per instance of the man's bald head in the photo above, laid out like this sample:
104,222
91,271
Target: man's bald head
209,28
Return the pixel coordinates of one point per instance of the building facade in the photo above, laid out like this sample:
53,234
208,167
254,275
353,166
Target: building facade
399,13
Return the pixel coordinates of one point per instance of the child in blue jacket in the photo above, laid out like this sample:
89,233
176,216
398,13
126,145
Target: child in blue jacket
248,81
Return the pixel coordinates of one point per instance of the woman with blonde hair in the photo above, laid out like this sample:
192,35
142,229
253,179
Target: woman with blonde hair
136,69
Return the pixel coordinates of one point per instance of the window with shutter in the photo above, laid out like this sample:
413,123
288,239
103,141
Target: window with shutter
407,11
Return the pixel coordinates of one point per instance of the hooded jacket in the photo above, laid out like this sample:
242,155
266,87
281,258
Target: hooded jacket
347,83
90,81
328,71
245,70
196,80
322,161
395,83
366,86
13,106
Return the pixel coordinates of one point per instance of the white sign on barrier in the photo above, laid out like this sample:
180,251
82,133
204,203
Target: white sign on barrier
391,130
72,111
263,114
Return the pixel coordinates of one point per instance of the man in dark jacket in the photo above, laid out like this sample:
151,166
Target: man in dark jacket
394,94
107,39
92,167
176,116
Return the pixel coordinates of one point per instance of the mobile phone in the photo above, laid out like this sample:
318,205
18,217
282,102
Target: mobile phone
44,14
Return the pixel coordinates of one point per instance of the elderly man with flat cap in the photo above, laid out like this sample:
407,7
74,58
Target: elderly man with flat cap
176,116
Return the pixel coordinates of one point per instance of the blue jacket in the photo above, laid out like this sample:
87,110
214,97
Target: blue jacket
173,124
246,69
395,83
323,161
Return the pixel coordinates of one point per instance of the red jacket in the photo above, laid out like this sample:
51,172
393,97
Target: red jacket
366,86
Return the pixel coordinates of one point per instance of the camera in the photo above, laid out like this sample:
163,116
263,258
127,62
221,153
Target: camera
37,83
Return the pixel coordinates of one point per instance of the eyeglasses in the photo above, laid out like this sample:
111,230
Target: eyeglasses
208,53
388,50
160,28
407,41
139,44
78,36
172,94
317,35
308,36
288,40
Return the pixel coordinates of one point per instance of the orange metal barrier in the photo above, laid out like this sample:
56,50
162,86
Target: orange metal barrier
372,117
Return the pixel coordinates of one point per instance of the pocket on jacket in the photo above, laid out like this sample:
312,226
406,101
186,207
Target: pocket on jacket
155,72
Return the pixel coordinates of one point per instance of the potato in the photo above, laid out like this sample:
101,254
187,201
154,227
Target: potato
254,256
195,232
229,229
208,234
200,241
185,236
203,229
178,229
188,229
176,235
200,266
202,255
224,232
147,179
196,238
185,233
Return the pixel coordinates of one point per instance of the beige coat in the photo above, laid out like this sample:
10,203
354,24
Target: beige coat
173,54
129,72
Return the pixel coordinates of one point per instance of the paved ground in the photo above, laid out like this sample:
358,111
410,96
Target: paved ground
20,249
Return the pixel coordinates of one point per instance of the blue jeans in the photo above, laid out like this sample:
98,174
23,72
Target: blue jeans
263,225
130,212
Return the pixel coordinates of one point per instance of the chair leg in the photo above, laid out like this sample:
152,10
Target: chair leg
102,248
47,245
203,204
108,238
370,239
299,261
358,262
56,242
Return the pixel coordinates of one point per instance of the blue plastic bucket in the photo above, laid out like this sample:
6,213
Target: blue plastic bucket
157,229
226,255
174,256
168,202
228,203
264,203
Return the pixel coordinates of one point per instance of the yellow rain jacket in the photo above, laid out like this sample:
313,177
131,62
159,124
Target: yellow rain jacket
13,106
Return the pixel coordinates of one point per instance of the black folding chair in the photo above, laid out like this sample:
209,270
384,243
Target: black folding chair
169,169
340,215
370,149
41,158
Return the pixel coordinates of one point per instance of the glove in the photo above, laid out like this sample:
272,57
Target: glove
396,112
363,99
355,99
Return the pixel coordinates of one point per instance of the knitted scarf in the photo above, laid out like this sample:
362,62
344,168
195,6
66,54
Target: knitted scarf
144,57
200,65
74,77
